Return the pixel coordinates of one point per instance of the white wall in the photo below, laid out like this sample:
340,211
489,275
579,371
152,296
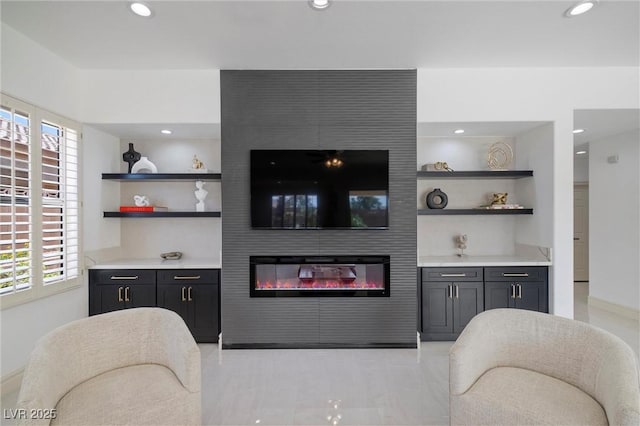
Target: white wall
533,94
195,237
487,235
614,220
34,74
533,149
102,153
150,96
581,169
22,325
171,155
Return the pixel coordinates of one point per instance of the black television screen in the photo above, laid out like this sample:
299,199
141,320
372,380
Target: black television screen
319,189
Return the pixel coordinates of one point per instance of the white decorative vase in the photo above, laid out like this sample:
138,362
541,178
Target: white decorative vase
144,166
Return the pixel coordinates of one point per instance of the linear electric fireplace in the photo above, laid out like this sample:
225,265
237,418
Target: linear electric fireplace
287,276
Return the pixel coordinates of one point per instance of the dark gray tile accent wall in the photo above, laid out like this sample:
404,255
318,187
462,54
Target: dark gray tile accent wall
318,109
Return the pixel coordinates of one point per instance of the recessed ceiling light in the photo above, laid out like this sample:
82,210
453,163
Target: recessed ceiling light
166,131
580,8
140,9
319,4
576,131
581,152
458,131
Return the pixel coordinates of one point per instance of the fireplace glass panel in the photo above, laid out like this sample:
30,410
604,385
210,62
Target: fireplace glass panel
351,278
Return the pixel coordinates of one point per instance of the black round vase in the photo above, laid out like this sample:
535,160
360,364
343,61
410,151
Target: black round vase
130,156
437,199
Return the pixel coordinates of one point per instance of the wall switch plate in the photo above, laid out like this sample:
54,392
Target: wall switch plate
612,159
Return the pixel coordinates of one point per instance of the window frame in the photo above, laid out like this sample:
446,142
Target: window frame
38,289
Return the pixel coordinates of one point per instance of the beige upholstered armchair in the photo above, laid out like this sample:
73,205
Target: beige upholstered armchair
517,367
135,366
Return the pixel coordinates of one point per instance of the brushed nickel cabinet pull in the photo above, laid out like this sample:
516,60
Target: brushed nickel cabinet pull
189,294
126,294
513,291
507,274
184,299
126,277
186,277
519,291
449,291
453,275
457,294
120,294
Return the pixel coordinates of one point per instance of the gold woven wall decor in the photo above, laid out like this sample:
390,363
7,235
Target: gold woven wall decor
500,156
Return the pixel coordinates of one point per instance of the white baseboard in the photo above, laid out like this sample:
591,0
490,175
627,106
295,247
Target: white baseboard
11,382
624,311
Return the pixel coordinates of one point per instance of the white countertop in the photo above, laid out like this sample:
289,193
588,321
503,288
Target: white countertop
482,261
423,261
185,263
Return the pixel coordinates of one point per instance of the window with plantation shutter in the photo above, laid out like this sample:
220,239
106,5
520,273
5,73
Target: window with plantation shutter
59,202
15,200
39,205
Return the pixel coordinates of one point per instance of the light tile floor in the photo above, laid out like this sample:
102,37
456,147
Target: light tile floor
325,387
625,328
343,386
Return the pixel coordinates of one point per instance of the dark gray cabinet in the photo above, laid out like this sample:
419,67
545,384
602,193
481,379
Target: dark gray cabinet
115,289
516,287
192,293
450,297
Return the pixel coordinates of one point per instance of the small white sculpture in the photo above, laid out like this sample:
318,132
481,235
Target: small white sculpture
461,241
141,200
200,194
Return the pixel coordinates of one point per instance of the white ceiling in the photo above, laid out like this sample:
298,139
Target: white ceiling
288,34
599,124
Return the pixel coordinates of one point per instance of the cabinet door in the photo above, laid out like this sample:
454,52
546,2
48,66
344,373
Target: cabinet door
531,296
498,294
140,295
108,289
109,298
522,287
201,309
203,312
468,301
437,307
170,297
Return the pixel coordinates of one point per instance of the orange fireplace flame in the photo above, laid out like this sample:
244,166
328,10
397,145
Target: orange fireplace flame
317,285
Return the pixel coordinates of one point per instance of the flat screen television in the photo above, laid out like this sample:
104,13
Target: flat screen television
319,189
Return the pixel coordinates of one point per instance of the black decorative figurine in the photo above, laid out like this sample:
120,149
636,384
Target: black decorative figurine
437,199
131,157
